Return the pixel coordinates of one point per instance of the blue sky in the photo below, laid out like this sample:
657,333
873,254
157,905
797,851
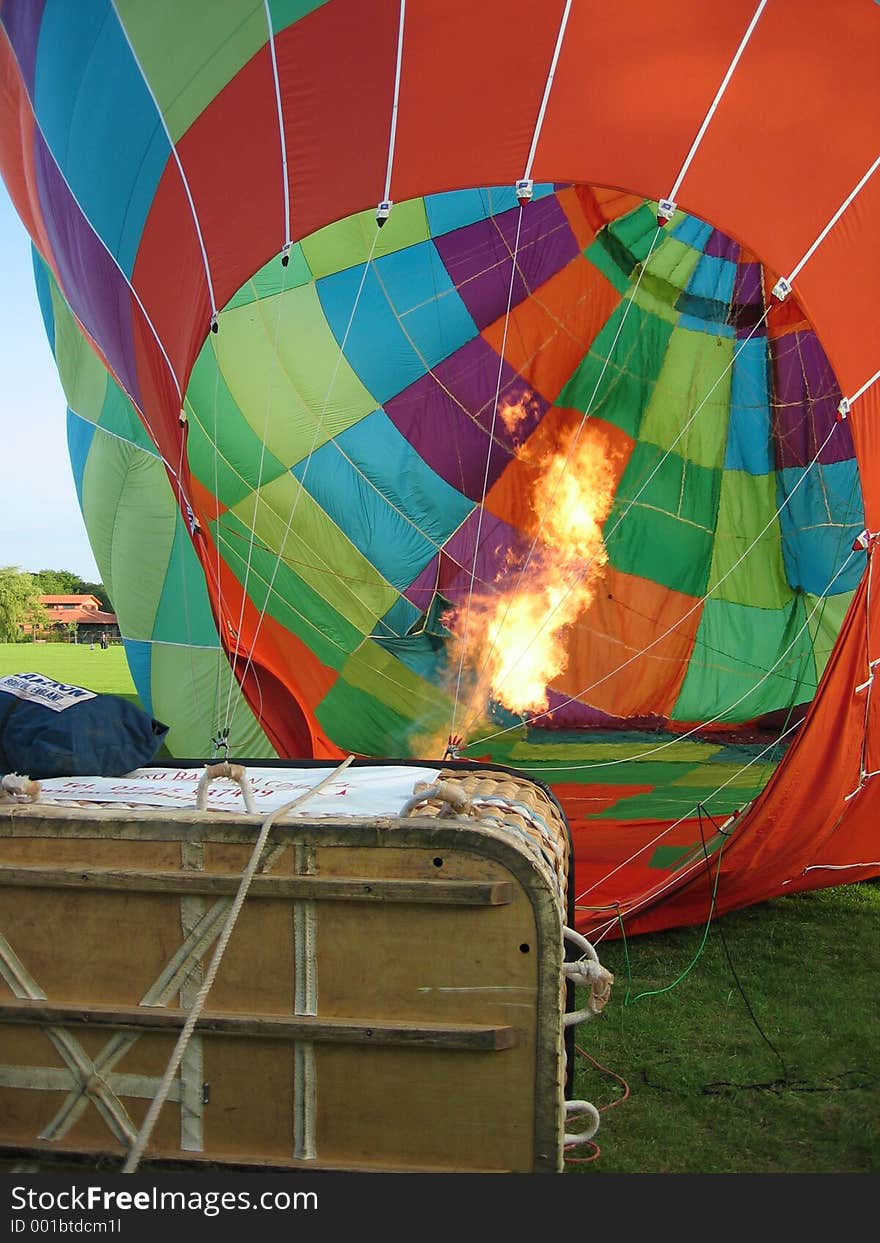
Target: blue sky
41,526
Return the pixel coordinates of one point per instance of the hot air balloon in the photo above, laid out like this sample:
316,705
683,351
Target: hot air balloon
490,381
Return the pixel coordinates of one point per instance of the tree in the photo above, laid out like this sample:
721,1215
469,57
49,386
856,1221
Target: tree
66,583
19,603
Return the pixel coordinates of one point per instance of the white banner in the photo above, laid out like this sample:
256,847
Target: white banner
363,792
44,691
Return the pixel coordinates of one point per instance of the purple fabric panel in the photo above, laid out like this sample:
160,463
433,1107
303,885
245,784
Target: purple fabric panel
575,715
720,246
22,19
805,400
478,257
450,572
446,416
90,281
747,303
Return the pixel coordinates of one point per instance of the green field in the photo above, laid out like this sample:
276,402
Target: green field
105,672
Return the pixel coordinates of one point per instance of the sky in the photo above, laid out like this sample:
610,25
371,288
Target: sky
41,527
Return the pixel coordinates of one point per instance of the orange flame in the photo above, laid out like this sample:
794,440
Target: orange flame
516,636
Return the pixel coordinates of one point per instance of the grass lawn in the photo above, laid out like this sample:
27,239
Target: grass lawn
105,672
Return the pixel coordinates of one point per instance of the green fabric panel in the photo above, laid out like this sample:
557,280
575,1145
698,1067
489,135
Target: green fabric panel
633,233
292,602
667,533
189,52
826,617
285,368
747,505
189,698
689,406
83,376
357,721
350,241
377,672
600,258
318,551
238,461
184,612
118,417
721,685
647,300
272,279
130,516
671,267
628,380
286,12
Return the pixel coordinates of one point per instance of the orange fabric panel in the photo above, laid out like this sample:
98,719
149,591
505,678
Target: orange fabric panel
204,502
549,333
582,214
580,800
864,423
514,495
631,90
625,622
337,68
470,92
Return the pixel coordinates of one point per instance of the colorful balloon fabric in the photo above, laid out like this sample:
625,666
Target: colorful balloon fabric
551,479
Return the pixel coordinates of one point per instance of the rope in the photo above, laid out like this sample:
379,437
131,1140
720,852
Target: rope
393,134
137,1149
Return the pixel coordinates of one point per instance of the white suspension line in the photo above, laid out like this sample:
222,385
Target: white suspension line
527,175
183,177
384,209
847,202
281,135
713,107
481,505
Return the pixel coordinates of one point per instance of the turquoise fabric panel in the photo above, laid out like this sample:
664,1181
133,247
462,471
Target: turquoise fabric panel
819,522
82,49
749,433
80,433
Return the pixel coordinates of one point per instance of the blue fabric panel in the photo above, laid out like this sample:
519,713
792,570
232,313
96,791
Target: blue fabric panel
408,319
140,659
819,523
79,441
399,619
380,493
90,97
44,295
712,279
458,208
693,232
748,432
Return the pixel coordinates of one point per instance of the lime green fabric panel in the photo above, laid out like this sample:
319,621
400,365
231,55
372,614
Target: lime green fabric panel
208,46
357,721
184,612
719,685
377,672
319,553
196,716
626,381
225,454
350,241
826,617
647,299
273,278
279,373
130,516
671,267
689,407
83,376
661,525
747,565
